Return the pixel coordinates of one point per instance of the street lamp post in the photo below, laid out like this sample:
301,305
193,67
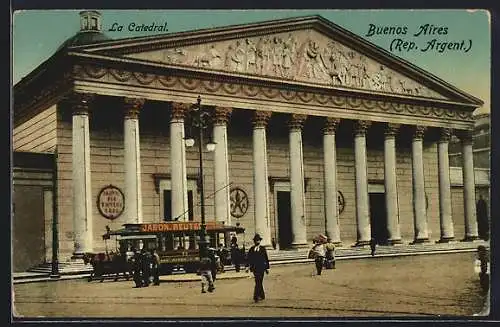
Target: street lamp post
200,120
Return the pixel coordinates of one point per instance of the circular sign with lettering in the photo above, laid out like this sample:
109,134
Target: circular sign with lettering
111,202
239,202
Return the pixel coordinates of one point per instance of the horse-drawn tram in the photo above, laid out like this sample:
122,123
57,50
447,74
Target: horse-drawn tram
175,242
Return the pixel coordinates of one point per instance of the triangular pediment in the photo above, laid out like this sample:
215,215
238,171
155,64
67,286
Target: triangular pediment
304,56
308,50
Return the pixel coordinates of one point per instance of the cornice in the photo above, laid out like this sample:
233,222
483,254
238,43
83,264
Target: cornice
149,68
283,92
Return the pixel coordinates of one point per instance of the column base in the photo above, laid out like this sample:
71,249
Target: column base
337,244
299,246
361,243
394,242
470,238
420,241
55,276
446,240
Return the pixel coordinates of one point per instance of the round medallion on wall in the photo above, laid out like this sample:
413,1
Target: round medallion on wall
239,202
111,202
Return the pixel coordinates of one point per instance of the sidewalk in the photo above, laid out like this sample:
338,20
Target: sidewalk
276,257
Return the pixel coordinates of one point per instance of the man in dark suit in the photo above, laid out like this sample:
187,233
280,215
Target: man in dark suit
258,264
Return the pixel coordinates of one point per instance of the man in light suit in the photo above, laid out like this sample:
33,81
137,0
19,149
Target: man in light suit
258,264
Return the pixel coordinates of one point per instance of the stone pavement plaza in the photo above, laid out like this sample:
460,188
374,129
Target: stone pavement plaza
423,285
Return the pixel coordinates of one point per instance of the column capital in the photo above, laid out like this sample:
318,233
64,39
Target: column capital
466,136
391,130
81,103
296,121
221,115
261,118
361,127
419,132
133,106
331,125
179,110
445,135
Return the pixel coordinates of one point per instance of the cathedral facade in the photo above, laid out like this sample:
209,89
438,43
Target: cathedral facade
316,130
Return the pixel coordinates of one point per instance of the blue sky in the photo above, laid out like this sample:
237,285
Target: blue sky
37,34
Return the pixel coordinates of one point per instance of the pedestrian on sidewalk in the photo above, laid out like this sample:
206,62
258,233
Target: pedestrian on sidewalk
235,253
273,243
330,254
205,272
258,263
213,262
147,263
373,246
156,268
482,267
318,251
137,266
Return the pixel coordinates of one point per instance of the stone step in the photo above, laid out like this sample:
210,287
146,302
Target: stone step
275,256
70,268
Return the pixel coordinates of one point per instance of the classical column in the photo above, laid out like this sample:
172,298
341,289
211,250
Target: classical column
419,201
390,180
132,155
362,201
221,165
297,181
82,191
332,228
469,187
445,219
178,162
260,176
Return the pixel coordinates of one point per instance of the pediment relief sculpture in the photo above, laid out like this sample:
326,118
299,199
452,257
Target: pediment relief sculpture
306,56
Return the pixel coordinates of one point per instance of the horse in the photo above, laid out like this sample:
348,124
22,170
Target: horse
108,264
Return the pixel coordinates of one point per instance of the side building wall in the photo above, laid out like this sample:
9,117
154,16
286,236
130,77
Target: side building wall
38,134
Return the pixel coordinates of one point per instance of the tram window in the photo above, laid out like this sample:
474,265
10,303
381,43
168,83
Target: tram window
169,242
150,244
163,243
192,242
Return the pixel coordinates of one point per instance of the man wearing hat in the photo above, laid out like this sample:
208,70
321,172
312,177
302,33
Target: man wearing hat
258,263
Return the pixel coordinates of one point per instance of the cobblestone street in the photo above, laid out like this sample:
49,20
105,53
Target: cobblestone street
423,285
